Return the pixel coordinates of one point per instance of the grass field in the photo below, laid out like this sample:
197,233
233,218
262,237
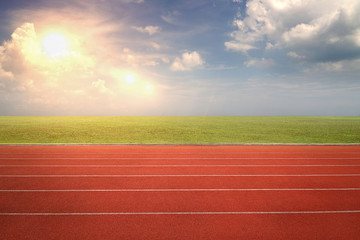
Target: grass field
179,129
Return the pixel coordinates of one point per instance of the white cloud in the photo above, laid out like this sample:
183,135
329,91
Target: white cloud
327,67
187,62
355,37
16,57
4,75
15,52
344,66
261,63
148,29
238,46
294,55
301,32
317,30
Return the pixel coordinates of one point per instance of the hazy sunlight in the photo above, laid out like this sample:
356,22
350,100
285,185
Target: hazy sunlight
130,79
55,45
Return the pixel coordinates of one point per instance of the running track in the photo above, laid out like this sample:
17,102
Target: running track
179,192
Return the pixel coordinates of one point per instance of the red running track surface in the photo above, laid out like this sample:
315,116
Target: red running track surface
179,192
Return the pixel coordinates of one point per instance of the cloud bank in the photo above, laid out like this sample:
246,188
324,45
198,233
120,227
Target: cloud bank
312,30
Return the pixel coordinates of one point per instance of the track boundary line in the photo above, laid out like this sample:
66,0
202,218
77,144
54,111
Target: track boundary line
180,153
145,166
181,190
181,144
177,213
231,175
180,158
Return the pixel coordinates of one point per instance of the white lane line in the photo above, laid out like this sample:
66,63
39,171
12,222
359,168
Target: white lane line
175,158
181,153
183,190
238,175
145,166
175,213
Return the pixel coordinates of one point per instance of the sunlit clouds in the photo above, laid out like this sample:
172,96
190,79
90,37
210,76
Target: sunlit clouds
55,45
137,57
58,68
187,62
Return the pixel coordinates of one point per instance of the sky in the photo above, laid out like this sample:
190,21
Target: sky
180,57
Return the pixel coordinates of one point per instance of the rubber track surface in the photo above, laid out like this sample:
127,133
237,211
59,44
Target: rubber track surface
179,192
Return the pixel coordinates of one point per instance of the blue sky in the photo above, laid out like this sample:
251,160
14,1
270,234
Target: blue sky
204,57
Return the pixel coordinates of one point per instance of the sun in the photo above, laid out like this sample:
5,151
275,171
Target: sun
55,45
130,79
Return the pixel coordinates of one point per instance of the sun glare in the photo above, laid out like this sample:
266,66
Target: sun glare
130,79
55,45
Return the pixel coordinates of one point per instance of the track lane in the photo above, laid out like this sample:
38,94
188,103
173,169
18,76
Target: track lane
183,161
179,227
172,170
270,225
178,182
59,155
186,201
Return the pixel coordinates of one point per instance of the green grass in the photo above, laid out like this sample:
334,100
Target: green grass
179,129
